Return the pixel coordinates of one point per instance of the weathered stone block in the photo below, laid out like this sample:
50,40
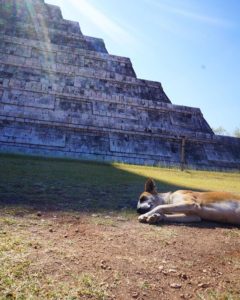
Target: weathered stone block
62,94
23,98
24,134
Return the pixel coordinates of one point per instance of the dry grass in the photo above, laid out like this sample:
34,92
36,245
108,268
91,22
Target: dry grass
48,255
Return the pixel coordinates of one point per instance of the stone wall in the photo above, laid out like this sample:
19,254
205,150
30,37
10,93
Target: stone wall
62,94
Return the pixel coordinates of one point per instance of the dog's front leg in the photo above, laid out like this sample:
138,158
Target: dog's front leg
155,218
160,210
151,218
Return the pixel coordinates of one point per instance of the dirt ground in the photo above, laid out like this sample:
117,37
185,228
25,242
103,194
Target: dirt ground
56,245
119,258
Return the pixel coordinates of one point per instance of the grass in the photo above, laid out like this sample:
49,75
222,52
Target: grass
31,184
190,179
69,185
214,295
163,234
91,288
104,221
22,276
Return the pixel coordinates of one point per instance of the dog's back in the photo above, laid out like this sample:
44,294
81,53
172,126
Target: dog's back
215,206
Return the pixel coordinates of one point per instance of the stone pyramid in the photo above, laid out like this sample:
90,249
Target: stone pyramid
63,95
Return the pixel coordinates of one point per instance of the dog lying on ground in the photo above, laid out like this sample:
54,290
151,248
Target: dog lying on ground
187,206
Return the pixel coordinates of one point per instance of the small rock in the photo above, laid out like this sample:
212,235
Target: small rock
122,219
50,230
183,276
172,271
160,268
9,296
175,285
95,215
104,267
186,296
164,261
165,272
66,236
227,281
39,214
107,217
77,230
203,285
135,295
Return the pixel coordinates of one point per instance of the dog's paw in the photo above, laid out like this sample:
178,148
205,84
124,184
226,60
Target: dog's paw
143,218
154,218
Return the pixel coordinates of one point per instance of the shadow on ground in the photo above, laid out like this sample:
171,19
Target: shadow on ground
66,185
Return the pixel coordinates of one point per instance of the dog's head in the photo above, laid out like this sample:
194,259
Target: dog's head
150,198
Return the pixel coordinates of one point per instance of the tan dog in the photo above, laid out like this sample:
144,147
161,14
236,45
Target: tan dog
187,206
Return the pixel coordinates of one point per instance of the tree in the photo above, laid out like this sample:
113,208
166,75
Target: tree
237,132
220,131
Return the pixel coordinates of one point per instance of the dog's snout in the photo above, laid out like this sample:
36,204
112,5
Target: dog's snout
140,211
143,210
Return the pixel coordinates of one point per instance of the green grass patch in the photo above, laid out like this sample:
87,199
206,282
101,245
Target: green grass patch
37,263
69,185
215,295
21,275
162,234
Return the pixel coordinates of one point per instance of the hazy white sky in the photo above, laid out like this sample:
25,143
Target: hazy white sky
192,47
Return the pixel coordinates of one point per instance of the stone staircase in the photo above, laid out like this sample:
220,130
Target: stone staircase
63,95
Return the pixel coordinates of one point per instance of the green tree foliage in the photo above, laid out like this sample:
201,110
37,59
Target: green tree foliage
220,131
237,132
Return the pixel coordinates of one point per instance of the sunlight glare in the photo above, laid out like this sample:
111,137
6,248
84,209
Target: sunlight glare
108,26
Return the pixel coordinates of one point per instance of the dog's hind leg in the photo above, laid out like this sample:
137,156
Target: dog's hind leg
181,218
175,218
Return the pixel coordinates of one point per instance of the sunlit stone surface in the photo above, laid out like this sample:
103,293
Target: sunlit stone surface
62,94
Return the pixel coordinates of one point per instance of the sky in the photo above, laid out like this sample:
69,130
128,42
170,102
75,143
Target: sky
192,47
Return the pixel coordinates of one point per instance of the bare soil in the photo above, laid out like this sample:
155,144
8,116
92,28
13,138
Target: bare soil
67,232
130,260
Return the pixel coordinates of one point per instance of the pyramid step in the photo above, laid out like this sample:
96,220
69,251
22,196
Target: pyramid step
62,94
83,61
30,9
38,75
101,113
64,49
54,36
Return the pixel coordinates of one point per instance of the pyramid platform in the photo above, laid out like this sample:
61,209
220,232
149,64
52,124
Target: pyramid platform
63,95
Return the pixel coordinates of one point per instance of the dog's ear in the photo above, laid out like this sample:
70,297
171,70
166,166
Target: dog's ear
150,186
